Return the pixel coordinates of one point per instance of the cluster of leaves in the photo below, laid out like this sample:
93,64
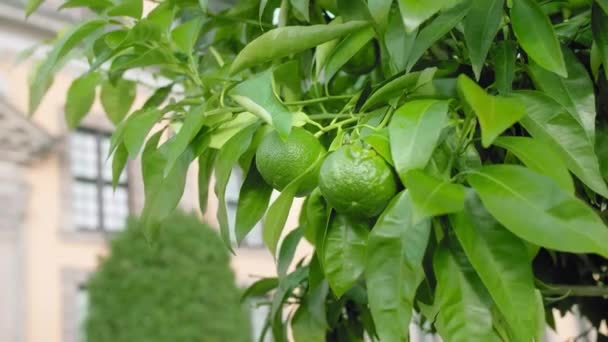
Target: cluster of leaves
484,108
179,289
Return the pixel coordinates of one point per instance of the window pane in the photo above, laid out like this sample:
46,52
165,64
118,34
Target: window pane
82,305
83,155
116,207
84,205
107,163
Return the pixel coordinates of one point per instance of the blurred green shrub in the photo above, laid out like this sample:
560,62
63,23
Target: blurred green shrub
180,288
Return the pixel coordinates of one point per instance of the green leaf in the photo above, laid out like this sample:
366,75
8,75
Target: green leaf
379,10
547,121
96,5
43,74
575,92
440,26
129,8
465,312
31,6
480,27
137,128
306,327
603,4
414,132
395,87
324,51
514,194
185,35
415,12
225,131
205,169
601,150
432,196
501,261
162,194
345,50
288,250
259,288
599,27
284,41
495,113
158,97
353,10
504,56
191,126
301,8
119,161
257,96
393,272
344,252
226,160
80,98
254,197
316,216
399,43
539,157
275,218
118,98
535,34
380,142
286,285
204,5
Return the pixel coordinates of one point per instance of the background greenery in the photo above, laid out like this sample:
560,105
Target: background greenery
180,288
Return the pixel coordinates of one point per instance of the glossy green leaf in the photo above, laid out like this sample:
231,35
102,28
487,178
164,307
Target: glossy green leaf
324,51
380,142
316,216
257,96
260,288
191,126
284,41
301,9
162,194
129,8
43,74
158,97
465,312
601,150
480,27
352,10
185,35
575,92
344,252
275,218
254,197
416,12
226,160
398,42
504,56
138,126
221,134
432,196
603,4
379,10
345,50
31,6
393,272
402,84
440,26
286,285
495,113
119,161
414,132
514,194
80,98
501,261
535,34
539,157
117,99
288,250
305,326
599,27
205,169
547,121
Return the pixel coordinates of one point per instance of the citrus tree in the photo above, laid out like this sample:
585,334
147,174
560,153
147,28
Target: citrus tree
452,153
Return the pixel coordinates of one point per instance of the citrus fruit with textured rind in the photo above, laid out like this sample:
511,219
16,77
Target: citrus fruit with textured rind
357,181
281,161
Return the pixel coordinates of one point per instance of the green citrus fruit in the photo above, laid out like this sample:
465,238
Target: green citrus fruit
363,61
281,161
357,181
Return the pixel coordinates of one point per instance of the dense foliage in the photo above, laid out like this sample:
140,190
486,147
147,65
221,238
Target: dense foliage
483,122
180,288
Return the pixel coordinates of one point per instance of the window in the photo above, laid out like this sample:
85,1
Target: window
82,306
95,205
258,314
254,238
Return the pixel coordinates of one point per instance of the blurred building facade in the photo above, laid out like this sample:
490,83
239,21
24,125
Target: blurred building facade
57,209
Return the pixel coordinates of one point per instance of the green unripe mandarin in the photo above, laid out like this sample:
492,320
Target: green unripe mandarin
281,161
357,181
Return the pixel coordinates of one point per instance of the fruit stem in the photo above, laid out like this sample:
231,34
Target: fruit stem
338,124
327,116
318,99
